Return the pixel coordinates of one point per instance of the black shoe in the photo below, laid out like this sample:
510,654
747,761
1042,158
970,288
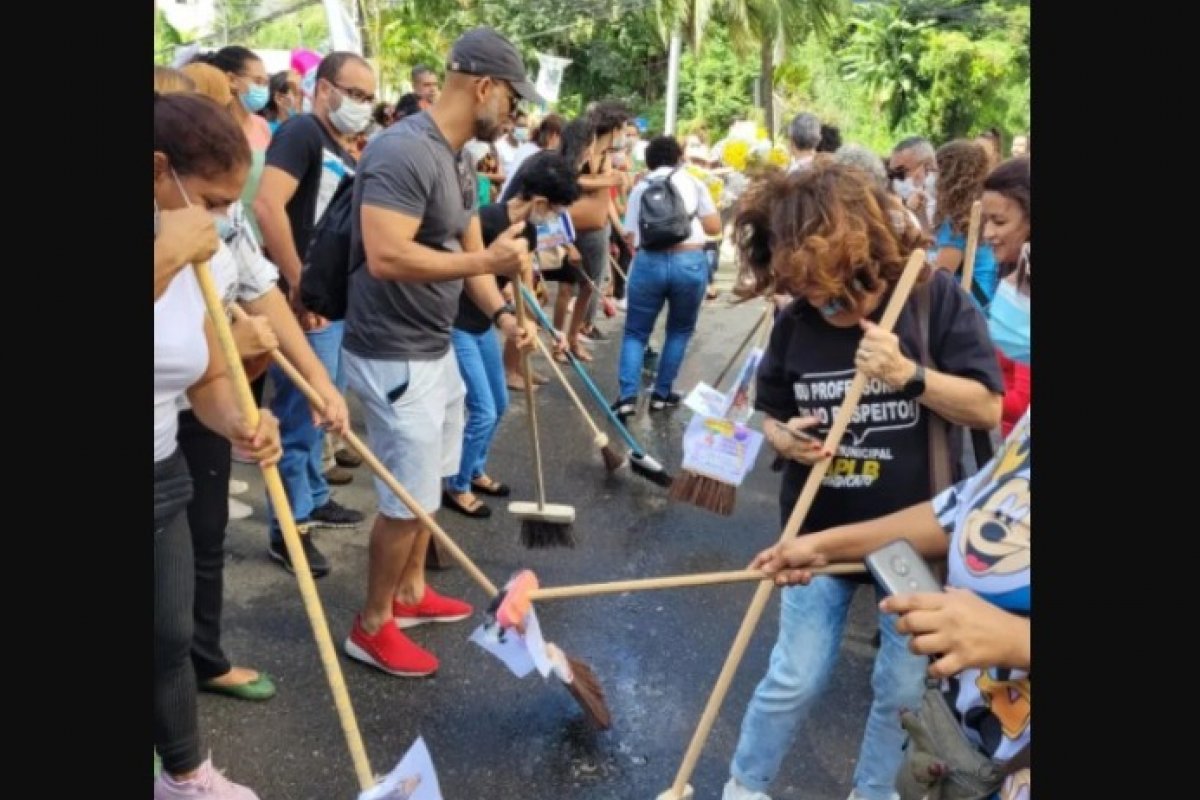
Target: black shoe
347,458
597,335
625,408
335,515
658,402
318,565
338,476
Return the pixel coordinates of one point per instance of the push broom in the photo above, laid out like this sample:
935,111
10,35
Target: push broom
680,788
542,524
968,270
578,677
639,461
291,536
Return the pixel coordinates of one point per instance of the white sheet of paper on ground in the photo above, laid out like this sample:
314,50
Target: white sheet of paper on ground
506,645
714,448
414,778
706,401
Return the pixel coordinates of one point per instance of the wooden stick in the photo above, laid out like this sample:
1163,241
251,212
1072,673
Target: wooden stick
678,582
900,294
384,474
968,271
600,437
613,263
291,536
762,320
527,377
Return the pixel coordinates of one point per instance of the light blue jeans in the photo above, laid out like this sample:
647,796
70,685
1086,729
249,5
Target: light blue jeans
482,370
300,466
677,279
810,634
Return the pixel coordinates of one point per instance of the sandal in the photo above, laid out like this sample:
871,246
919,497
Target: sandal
261,688
477,511
492,487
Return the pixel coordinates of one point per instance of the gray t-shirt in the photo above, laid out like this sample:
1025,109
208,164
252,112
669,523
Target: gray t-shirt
409,168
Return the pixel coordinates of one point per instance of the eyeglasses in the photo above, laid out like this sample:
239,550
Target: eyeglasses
355,94
466,183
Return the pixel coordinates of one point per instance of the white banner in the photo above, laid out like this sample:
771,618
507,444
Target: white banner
343,30
550,75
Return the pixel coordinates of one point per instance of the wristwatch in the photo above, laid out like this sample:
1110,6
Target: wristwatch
507,308
916,384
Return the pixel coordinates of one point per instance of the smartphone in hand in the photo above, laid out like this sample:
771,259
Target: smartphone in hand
899,569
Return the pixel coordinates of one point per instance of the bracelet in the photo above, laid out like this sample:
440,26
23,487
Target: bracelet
507,308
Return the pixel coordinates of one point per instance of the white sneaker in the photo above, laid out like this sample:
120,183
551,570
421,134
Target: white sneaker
238,509
238,487
735,791
208,784
854,795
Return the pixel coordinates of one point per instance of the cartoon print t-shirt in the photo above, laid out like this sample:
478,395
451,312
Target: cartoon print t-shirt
988,518
882,463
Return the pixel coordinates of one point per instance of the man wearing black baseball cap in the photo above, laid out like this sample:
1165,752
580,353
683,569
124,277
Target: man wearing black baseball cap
416,246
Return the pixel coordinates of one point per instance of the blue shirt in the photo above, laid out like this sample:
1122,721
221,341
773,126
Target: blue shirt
986,273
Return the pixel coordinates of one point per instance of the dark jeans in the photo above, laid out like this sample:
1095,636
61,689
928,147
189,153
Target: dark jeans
207,456
176,730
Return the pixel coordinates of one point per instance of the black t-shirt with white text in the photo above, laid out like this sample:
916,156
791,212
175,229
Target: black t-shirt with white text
882,463
493,221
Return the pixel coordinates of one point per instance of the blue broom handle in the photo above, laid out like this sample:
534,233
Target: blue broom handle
531,304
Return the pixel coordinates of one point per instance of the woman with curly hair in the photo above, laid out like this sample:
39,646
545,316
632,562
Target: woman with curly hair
836,241
962,166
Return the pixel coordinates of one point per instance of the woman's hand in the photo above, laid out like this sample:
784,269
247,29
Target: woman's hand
792,442
791,562
187,236
879,356
962,628
262,443
336,416
253,336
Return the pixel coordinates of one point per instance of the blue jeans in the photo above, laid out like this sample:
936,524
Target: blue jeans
482,371
678,279
300,467
810,633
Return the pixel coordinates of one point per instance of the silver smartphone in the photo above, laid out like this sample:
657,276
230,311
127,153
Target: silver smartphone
899,569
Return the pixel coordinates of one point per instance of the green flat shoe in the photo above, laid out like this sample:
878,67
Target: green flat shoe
261,688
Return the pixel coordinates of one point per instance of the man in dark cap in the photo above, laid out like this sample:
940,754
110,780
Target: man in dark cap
416,245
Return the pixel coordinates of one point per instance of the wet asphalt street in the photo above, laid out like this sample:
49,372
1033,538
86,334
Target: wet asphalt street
491,735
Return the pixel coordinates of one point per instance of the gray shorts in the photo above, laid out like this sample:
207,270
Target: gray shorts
415,414
593,248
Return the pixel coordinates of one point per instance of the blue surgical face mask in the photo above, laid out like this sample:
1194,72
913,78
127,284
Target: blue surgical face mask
255,98
225,227
1008,322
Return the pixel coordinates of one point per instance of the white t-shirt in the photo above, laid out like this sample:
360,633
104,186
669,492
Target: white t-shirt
524,151
696,199
180,355
506,152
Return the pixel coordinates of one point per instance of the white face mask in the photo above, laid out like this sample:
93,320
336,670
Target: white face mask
351,116
904,188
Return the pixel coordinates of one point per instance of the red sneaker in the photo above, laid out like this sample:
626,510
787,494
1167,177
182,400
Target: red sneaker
432,608
391,651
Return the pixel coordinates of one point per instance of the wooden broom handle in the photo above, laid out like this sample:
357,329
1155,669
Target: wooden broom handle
384,474
527,378
763,319
291,536
895,305
677,582
596,432
973,227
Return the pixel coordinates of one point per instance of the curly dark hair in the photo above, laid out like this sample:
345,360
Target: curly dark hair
829,228
962,165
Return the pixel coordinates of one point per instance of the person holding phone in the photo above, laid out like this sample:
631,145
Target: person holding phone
978,630
828,238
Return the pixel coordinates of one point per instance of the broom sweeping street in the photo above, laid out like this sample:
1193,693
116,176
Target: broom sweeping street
490,734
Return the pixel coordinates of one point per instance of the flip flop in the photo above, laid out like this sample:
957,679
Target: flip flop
261,688
494,488
480,511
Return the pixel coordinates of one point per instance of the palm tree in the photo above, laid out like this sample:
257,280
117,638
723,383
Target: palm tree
883,54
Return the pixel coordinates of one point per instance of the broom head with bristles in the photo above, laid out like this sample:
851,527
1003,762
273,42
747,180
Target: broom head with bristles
705,492
613,460
544,525
651,470
581,682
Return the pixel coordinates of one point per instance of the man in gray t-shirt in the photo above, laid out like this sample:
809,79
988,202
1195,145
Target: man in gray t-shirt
417,247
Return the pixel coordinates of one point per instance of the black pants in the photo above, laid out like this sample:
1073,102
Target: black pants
207,455
176,730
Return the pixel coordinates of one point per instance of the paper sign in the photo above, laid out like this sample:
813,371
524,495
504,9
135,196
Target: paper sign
741,401
706,401
720,449
521,653
550,75
555,232
414,778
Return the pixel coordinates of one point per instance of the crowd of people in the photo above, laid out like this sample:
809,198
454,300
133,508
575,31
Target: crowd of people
451,186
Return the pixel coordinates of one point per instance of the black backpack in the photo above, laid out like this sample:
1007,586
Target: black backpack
325,277
663,218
